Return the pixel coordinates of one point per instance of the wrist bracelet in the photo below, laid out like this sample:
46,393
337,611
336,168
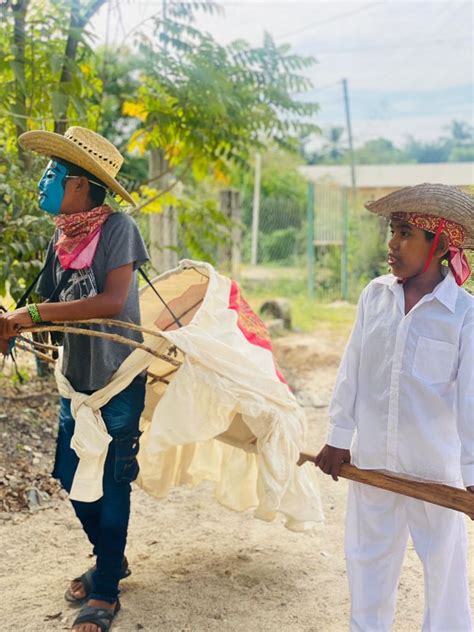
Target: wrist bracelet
33,311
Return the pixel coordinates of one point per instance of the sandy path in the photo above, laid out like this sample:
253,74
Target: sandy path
199,567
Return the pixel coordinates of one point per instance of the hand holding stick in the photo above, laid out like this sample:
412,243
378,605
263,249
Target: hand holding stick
436,493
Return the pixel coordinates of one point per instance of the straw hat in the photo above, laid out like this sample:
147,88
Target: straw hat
440,200
84,148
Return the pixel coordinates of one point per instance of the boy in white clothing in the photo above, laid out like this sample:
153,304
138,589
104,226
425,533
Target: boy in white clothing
404,402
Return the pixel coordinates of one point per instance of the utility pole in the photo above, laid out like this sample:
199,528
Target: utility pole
229,254
349,134
256,209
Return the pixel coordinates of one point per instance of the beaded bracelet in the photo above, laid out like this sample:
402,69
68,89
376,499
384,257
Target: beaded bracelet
33,311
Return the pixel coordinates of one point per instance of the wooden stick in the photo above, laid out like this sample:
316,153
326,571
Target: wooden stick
113,322
38,354
101,334
38,345
436,493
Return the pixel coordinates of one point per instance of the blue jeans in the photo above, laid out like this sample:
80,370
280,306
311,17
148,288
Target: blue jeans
105,521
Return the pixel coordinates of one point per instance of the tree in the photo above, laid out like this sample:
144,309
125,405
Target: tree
79,16
199,105
379,151
461,142
333,149
457,146
204,105
35,92
419,151
462,134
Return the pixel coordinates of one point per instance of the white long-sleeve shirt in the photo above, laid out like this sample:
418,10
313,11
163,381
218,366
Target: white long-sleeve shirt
404,396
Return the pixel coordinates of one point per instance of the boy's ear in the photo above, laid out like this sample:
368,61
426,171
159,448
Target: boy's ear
82,184
443,245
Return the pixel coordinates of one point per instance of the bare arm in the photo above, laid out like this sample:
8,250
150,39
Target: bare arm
107,304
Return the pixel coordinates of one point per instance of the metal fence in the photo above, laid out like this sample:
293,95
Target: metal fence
327,241
328,250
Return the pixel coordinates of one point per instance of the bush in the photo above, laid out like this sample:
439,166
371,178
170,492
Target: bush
278,246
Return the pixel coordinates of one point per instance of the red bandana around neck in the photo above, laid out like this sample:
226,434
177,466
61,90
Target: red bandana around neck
457,260
80,234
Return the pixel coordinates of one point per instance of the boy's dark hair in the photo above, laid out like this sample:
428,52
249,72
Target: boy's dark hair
97,193
430,236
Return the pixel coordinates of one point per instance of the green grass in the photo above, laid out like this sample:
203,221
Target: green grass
307,315
310,315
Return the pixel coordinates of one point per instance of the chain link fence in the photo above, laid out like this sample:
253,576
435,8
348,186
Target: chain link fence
329,249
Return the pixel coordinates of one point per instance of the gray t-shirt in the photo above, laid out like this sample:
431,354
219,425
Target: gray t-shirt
89,362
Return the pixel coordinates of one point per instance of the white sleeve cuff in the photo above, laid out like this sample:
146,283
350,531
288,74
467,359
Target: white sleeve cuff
340,437
468,474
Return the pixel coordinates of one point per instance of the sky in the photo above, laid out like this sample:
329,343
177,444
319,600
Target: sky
409,65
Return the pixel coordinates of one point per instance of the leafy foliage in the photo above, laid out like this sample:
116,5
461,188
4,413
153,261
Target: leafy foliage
457,146
24,232
205,106
33,94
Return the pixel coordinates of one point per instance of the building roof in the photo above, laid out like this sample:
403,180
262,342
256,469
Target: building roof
394,176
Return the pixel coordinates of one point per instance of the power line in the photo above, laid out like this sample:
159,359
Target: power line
441,21
334,18
326,87
370,49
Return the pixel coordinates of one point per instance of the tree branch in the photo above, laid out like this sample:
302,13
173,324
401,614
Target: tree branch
76,25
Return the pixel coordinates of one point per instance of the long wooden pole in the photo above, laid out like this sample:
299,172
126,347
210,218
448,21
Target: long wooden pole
100,334
442,495
436,493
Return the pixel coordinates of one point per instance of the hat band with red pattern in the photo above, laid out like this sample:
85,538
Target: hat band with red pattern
430,223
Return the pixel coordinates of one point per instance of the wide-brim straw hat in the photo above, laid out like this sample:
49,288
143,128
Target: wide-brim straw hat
84,148
441,200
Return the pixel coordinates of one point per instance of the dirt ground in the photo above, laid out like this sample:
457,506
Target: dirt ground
196,566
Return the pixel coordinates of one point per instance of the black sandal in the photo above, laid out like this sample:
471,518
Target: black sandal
86,581
101,617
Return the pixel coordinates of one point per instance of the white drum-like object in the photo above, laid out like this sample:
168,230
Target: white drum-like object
217,407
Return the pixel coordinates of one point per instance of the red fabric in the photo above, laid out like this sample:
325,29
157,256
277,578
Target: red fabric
253,328
459,265
77,232
457,259
434,244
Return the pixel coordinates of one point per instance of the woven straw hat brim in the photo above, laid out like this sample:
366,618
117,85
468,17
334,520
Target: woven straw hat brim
440,200
52,144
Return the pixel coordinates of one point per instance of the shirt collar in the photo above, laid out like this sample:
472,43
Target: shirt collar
445,292
387,279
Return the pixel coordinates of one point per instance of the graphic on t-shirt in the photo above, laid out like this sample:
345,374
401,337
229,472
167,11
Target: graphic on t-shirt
82,284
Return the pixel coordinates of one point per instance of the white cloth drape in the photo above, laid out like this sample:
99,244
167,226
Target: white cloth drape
225,416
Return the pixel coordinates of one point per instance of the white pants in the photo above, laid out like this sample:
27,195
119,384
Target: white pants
377,528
